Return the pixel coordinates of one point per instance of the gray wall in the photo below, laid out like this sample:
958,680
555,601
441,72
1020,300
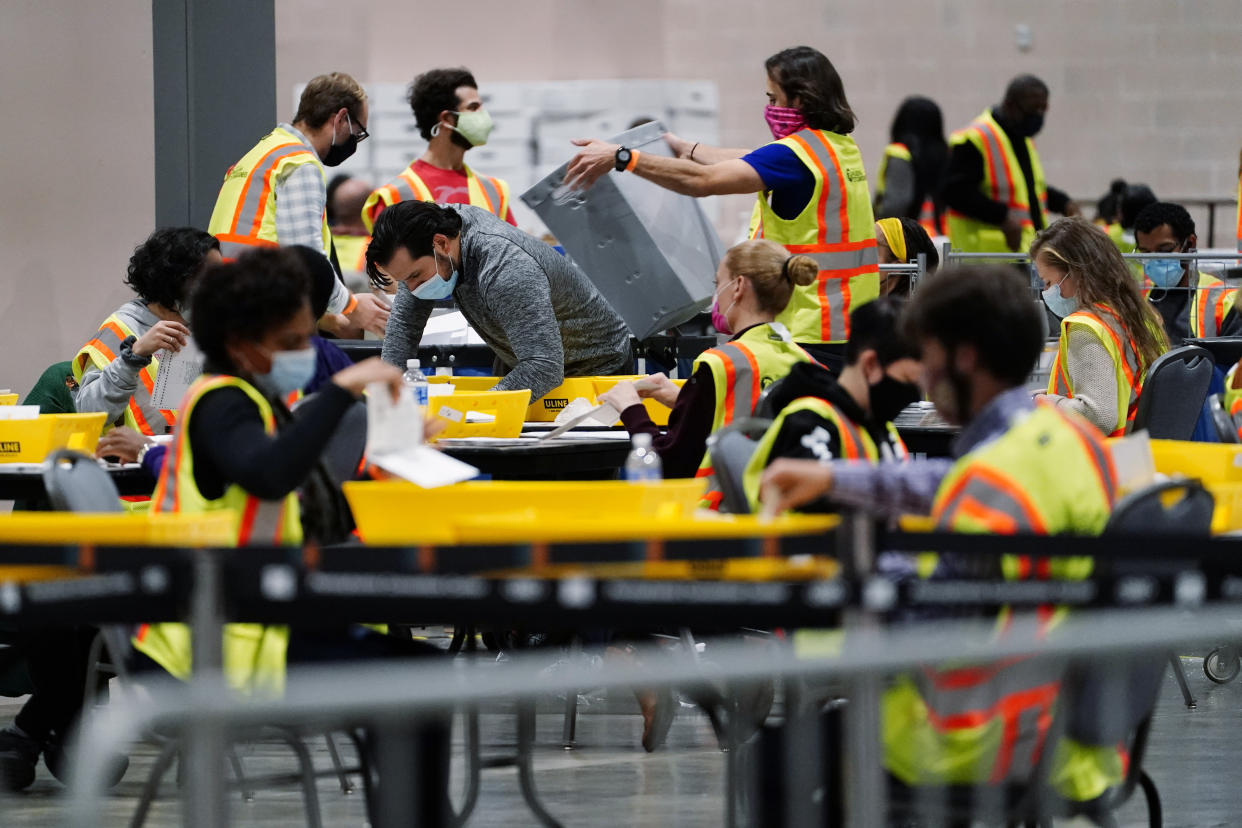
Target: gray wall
76,171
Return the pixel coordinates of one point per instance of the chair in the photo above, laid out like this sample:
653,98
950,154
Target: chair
730,449
75,482
1173,393
1226,429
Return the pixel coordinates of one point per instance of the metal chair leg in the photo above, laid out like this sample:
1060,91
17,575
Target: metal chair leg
152,786
570,726
310,792
1155,813
1180,674
362,746
247,792
525,763
474,765
342,777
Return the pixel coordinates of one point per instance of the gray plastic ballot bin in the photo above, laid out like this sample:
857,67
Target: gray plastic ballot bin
651,252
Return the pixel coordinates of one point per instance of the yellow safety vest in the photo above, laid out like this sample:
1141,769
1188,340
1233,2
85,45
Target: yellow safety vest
1104,323
492,194
141,413
351,251
741,369
836,229
1049,474
254,654
1209,306
854,442
245,211
1002,181
927,211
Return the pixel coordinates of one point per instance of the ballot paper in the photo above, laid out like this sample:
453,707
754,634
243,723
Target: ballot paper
651,252
603,414
1133,461
19,412
395,442
174,374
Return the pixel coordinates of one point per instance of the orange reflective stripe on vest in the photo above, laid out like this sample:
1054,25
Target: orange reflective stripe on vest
742,380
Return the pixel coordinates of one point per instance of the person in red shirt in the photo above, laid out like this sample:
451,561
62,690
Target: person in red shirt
451,117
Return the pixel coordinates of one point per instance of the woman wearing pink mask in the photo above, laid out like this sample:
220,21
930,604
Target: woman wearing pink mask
812,191
754,284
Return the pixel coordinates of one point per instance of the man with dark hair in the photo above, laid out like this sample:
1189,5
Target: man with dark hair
821,417
532,306
1021,467
451,118
350,236
1191,304
995,189
276,194
115,371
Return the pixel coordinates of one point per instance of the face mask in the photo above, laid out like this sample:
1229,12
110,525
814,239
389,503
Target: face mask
290,371
783,120
337,153
474,126
1032,124
437,287
1163,273
889,397
719,321
1062,306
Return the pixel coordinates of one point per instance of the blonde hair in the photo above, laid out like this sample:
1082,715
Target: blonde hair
1085,251
771,271
325,95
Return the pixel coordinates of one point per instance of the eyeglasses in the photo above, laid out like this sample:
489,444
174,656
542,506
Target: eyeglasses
360,136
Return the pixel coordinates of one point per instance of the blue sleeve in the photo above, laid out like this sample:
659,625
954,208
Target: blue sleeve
153,460
328,360
785,176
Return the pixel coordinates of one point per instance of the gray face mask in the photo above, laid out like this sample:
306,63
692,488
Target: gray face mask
1062,306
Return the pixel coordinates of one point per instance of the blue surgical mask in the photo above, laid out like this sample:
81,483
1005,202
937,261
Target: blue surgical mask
437,287
1163,273
290,371
1062,306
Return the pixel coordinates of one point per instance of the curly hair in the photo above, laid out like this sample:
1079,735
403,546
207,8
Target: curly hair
433,92
163,266
245,299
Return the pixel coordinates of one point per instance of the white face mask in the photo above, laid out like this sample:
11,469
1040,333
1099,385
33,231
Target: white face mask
1062,306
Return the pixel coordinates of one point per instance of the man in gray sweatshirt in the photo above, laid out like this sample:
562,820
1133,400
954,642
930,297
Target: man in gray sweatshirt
535,309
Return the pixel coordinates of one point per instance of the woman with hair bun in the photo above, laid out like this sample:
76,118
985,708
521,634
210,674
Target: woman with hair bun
754,283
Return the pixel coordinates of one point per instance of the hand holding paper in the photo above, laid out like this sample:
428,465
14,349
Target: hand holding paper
395,430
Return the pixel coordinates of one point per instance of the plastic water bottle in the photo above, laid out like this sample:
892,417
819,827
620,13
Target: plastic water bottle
643,464
415,381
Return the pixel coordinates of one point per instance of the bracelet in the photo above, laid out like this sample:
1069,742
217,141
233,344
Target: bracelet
633,160
350,305
142,452
692,149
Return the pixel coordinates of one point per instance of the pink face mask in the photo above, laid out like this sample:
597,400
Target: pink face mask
719,322
783,120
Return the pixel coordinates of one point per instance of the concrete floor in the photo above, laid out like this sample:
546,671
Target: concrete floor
1195,757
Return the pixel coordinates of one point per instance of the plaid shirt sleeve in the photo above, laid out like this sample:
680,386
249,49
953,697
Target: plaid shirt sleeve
300,200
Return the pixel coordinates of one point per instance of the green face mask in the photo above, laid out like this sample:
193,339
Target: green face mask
474,126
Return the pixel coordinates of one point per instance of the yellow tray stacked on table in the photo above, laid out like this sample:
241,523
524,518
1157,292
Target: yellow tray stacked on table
393,512
1217,465
120,529
31,441
545,408
481,413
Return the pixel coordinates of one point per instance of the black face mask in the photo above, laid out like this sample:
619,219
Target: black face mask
889,397
1032,124
337,153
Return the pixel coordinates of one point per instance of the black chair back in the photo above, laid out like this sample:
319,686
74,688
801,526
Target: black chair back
75,482
1173,393
1226,429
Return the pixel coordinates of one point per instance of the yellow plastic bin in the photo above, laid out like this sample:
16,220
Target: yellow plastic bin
545,408
466,413
1217,465
31,441
397,512
8,399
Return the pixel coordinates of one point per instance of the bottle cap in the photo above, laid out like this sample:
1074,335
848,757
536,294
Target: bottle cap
642,441
413,363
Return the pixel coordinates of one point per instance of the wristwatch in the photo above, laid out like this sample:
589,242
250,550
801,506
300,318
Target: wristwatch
623,158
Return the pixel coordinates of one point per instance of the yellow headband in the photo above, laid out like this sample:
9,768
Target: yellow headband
895,237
